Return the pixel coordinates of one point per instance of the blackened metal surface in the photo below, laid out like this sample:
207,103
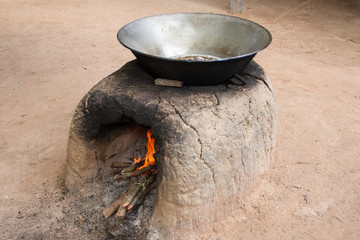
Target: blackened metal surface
195,73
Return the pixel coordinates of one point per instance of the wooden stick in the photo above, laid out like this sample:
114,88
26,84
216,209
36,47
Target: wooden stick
124,167
120,165
136,198
121,212
131,195
149,189
149,181
122,176
116,170
131,168
133,180
136,187
114,206
119,202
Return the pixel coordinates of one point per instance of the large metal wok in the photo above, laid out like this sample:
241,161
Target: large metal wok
197,48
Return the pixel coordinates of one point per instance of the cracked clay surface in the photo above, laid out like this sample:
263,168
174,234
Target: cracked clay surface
215,141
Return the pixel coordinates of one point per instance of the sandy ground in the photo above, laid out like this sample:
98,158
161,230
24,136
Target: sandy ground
53,52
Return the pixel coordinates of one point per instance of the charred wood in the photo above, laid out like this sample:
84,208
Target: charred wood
120,165
126,175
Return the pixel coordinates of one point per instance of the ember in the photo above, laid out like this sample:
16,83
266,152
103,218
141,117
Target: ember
142,175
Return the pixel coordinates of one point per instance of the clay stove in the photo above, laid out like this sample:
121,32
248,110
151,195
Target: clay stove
215,143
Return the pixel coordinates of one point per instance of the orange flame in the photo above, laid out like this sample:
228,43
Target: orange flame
149,159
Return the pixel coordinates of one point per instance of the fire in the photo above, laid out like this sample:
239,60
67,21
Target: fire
149,159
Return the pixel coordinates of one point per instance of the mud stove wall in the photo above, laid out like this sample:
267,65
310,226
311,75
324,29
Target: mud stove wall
214,142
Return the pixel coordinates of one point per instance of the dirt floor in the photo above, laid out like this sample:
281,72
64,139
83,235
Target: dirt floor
53,52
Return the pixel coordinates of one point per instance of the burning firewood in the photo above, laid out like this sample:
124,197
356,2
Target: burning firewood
129,169
122,167
141,171
138,163
142,175
118,167
128,198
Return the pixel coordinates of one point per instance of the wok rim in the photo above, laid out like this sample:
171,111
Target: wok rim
195,61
